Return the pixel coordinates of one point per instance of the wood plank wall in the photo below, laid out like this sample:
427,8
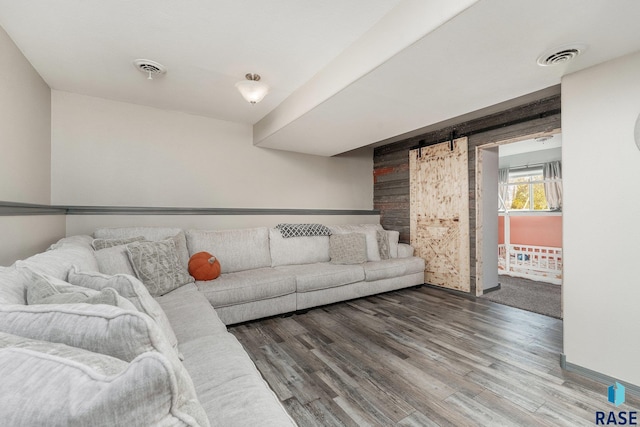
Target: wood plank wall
391,162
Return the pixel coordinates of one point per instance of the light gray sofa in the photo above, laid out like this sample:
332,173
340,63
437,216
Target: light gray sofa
263,274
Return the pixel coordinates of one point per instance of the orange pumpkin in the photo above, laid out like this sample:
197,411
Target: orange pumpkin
204,266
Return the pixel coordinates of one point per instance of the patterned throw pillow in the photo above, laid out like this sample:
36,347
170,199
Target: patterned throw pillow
348,248
157,265
383,244
98,244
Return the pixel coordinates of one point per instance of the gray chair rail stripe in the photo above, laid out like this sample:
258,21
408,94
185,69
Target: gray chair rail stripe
18,209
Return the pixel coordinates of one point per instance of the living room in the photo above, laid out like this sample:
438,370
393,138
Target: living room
77,160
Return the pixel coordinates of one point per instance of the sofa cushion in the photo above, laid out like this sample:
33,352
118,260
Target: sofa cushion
57,385
133,290
404,250
297,250
392,268
152,234
219,365
99,328
312,277
158,266
229,402
350,248
247,286
237,250
58,262
190,313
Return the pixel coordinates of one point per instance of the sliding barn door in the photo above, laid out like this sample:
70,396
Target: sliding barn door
439,200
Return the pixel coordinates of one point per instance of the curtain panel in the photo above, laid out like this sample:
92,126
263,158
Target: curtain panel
552,172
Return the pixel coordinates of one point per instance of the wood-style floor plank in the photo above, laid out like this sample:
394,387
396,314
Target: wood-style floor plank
422,357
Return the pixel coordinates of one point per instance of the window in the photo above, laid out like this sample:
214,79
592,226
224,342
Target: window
524,191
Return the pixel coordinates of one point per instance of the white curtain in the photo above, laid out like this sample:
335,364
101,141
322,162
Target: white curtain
552,172
503,189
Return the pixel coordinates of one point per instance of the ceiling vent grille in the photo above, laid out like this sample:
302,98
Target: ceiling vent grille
561,55
151,68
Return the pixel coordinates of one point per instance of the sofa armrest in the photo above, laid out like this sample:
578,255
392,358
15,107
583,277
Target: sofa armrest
404,250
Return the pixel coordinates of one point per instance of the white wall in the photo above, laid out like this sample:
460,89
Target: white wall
113,153
23,236
25,128
601,175
86,224
25,162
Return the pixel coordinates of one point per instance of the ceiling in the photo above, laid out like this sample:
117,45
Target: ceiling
531,152
343,73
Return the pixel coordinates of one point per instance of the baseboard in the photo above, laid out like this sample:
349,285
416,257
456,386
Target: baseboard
495,288
451,291
597,376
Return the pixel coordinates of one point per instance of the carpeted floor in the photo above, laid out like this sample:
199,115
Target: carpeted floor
539,297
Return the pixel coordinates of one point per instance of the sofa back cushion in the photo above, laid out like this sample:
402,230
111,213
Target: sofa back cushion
12,287
237,250
101,329
57,262
297,250
53,384
132,289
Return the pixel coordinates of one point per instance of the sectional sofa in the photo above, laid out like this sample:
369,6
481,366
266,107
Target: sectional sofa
158,355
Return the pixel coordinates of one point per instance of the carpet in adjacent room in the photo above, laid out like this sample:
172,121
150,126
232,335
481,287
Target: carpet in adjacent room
538,297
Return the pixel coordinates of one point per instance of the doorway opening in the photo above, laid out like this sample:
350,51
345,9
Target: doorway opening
519,222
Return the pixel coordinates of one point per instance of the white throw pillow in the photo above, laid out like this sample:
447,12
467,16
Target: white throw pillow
43,289
114,260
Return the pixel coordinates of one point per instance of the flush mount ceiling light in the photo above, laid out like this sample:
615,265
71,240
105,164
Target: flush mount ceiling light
149,67
252,89
561,55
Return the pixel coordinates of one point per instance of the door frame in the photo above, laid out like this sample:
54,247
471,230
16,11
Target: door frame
479,229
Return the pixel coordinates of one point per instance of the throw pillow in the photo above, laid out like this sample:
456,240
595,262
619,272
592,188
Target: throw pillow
53,384
130,288
348,248
369,230
43,289
98,244
114,261
383,244
394,237
152,234
157,265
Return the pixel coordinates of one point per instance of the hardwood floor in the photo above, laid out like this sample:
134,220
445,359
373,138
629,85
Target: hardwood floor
422,357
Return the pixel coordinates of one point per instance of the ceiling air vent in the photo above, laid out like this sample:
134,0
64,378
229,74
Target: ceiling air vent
151,68
561,55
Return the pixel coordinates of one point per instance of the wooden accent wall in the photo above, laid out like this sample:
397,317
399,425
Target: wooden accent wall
391,162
